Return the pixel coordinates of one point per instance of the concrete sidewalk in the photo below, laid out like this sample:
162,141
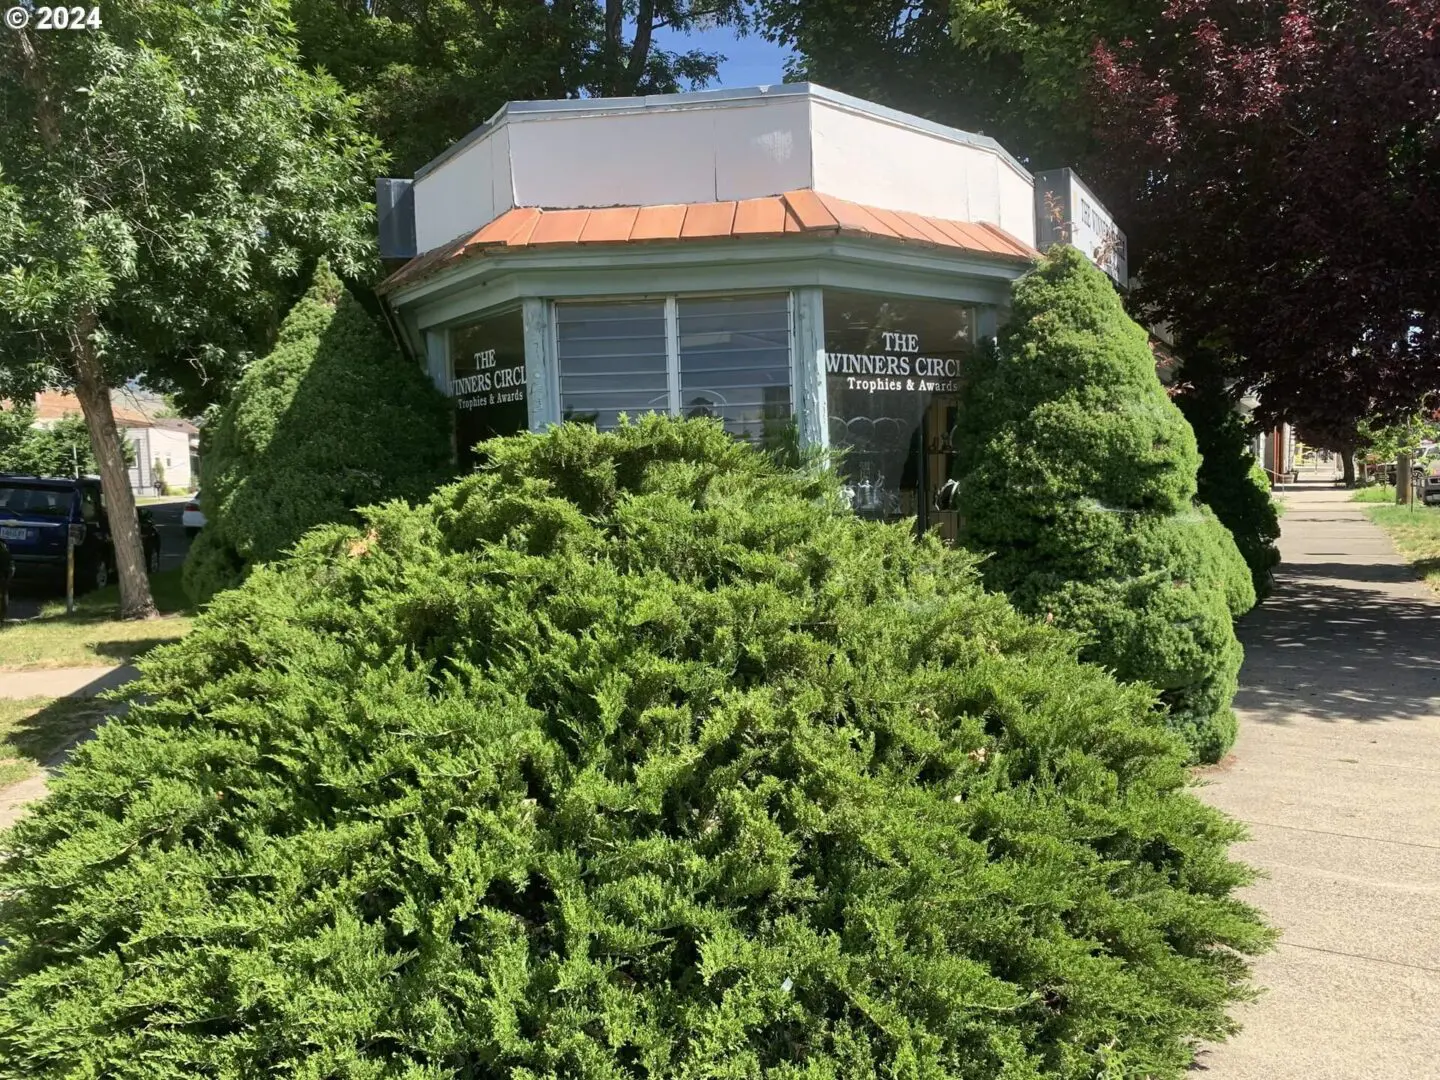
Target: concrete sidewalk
1337,774
63,682
52,683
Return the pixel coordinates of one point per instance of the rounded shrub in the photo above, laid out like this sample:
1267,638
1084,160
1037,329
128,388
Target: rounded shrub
1078,481
331,420
632,755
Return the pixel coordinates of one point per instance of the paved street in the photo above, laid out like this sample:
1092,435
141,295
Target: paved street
1337,773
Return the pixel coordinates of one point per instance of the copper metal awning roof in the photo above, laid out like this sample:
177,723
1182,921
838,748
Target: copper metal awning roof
794,213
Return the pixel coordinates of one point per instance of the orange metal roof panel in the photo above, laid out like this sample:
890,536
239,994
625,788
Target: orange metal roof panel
610,226
854,216
900,226
980,239
956,234
760,217
708,219
506,228
810,211
658,222
1011,243
794,212
924,226
559,226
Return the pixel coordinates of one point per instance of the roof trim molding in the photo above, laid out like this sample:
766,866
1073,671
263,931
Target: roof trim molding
866,263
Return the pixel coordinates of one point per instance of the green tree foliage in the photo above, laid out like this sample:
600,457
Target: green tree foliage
631,755
429,71
1079,474
1231,481
165,177
333,419
1386,441
44,451
1019,70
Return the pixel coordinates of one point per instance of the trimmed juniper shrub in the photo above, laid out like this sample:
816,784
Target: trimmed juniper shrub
1078,480
331,420
1231,481
632,755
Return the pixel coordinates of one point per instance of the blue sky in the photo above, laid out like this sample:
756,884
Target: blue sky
749,61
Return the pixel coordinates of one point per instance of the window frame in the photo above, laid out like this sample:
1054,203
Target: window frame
672,303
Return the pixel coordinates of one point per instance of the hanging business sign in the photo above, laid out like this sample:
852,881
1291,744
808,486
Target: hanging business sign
489,381
1067,212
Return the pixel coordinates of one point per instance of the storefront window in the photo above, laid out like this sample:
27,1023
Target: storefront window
613,360
735,363
489,386
893,374
725,357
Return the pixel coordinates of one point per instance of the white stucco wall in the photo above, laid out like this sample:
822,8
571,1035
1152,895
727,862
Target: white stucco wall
885,163
465,192
711,146
653,156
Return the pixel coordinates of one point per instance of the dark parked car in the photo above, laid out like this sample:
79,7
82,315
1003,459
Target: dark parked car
38,513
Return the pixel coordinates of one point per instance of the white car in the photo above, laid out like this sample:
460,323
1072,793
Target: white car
191,517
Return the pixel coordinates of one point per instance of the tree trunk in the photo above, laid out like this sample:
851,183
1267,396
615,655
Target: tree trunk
94,395
1347,464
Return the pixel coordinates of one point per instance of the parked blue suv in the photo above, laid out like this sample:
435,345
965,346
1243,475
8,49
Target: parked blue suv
38,513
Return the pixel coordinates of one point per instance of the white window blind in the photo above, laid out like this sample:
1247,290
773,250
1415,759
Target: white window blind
614,358
726,357
734,359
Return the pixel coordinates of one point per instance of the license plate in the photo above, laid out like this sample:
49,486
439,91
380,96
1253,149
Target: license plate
13,534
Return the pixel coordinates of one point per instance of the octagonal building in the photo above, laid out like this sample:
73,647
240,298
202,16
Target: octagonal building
805,266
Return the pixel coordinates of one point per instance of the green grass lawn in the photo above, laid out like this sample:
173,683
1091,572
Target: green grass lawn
1416,534
93,636
1380,493
34,730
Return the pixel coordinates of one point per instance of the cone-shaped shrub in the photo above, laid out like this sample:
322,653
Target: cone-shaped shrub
1078,477
1231,481
331,420
631,756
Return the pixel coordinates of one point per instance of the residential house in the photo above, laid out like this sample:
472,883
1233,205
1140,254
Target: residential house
172,443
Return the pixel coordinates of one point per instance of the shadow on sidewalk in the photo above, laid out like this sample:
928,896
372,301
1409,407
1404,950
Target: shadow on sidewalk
1324,648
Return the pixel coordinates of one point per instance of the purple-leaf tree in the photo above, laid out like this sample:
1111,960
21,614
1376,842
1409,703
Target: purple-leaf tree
1279,179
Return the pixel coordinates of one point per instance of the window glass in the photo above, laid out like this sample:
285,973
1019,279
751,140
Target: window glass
89,504
612,360
735,363
488,359
893,373
36,501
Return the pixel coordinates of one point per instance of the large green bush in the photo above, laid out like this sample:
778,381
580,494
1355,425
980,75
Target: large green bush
630,756
58,449
1231,481
331,420
1078,477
